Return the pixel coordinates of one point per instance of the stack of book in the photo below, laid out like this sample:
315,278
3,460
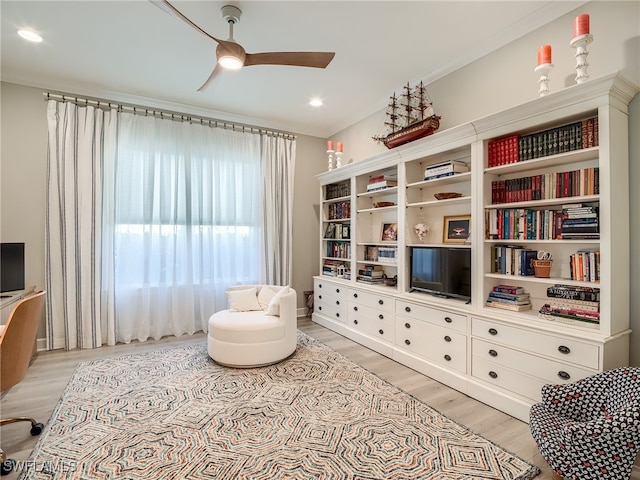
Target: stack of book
509,297
580,221
445,169
513,260
371,274
380,182
573,305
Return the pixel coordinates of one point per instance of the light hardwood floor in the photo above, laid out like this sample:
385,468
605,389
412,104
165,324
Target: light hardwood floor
38,394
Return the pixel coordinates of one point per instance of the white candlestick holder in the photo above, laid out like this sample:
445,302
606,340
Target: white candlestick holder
580,44
330,159
338,159
543,83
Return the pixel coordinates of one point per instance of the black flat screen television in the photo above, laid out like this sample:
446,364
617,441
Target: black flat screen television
441,271
11,267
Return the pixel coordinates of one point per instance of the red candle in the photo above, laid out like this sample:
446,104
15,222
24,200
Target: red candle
581,25
330,145
544,54
339,146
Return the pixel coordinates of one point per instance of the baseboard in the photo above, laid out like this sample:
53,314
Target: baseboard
41,344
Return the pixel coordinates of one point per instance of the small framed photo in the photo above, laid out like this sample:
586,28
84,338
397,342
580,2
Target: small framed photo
456,229
389,232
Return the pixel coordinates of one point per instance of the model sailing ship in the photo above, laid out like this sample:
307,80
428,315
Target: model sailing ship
409,117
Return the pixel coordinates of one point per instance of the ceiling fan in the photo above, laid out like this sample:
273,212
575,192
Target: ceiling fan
231,55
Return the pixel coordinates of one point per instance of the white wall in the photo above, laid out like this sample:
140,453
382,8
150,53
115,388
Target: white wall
506,78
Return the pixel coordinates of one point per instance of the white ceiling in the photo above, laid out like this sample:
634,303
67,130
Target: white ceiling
132,51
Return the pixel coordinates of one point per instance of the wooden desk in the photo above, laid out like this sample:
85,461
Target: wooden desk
8,300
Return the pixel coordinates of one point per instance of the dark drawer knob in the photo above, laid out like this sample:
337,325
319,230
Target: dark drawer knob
337,314
381,302
381,317
355,295
493,374
337,302
493,331
381,332
493,353
564,375
407,342
319,307
407,325
320,297
564,349
448,319
337,290
319,285
355,309
447,358
355,322
407,309
447,338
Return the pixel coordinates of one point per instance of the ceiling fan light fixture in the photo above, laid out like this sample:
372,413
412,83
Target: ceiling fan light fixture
30,35
315,102
230,62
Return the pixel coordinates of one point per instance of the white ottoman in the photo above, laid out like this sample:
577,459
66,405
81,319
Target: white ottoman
254,338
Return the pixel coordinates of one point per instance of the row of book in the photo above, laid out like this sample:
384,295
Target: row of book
338,249
573,305
522,224
445,169
585,265
381,254
574,183
380,182
566,138
513,260
509,297
339,211
338,231
337,190
577,222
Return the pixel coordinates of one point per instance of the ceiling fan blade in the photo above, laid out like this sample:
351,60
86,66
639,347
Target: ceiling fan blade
296,59
214,74
167,7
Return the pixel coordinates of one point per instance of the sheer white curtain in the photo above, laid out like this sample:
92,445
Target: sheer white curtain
149,220
188,224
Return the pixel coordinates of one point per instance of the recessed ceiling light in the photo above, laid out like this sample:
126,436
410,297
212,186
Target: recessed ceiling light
315,102
30,35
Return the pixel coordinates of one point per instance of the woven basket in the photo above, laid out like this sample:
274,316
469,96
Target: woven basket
542,268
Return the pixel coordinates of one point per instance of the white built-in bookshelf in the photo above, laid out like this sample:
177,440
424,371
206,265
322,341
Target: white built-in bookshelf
502,357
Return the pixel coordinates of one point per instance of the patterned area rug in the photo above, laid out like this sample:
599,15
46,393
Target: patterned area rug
174,414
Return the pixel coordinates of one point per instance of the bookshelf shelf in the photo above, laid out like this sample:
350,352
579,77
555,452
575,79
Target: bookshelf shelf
594,347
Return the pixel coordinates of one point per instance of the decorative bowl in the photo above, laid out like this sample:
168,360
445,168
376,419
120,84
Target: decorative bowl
446,195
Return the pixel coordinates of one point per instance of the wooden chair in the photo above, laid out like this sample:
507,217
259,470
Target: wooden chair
17,339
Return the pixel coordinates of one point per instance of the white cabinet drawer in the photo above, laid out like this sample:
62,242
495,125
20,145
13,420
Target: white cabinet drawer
330,300
563,349
371,299
506,378
452,321
548,370
433,342
371,321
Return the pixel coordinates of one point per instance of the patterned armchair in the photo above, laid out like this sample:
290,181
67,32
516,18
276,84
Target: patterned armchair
590,429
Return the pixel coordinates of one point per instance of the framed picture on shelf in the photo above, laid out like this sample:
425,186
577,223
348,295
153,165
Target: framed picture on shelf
456,229
389,232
